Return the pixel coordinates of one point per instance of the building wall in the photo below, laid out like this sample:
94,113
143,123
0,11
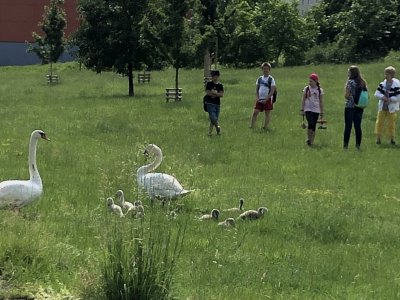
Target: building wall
18,19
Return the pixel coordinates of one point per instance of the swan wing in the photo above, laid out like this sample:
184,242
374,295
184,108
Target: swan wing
18,192
161,185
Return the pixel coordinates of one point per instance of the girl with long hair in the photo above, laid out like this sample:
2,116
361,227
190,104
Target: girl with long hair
353,114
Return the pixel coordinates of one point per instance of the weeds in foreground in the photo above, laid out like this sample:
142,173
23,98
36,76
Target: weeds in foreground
141,266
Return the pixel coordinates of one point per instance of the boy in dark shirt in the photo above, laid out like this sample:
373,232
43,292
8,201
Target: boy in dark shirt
214,91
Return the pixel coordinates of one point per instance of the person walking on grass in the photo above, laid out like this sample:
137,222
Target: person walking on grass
388,93
312,106
353,114
265,88
214,93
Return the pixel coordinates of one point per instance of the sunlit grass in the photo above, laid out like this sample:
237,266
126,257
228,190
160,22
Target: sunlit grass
333,222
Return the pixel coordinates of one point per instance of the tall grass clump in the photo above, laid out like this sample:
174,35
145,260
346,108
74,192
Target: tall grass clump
141,265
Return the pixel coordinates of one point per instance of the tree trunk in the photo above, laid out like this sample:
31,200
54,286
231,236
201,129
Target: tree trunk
278,54
130,79
216,53
207,63
176,83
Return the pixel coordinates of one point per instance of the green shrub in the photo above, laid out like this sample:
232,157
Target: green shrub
331,53
393,56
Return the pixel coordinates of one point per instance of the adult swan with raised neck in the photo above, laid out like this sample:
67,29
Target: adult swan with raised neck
19,193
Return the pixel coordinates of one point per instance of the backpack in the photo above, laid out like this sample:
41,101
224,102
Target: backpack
308,91
269,82
361,98
204,103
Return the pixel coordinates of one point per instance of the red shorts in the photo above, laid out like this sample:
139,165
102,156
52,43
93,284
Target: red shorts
264,106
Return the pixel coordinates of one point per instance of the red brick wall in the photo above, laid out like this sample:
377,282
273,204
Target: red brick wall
19,18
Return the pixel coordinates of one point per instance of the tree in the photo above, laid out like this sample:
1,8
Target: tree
241,34
50,46
285,32
357,30
208,31
369,35
110,36
175,38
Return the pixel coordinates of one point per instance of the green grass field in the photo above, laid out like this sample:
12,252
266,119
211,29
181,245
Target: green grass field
332,230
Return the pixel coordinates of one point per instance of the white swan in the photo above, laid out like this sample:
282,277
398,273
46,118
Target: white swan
128,206
158,185
18,193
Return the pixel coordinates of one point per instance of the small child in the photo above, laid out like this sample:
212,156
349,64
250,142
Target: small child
265,88
388,93
312,106
214,93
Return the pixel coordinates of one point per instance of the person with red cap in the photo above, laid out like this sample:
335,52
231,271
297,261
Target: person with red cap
312,106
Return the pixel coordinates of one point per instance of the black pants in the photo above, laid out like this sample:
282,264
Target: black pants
312,118
352,116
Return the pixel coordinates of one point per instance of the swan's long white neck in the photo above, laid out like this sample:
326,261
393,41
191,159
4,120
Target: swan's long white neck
33,170
151,166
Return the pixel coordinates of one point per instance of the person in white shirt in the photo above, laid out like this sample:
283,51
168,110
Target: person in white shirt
265,88
388,93
312,106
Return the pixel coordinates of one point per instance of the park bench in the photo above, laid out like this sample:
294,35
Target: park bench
144,77
173,94
52,78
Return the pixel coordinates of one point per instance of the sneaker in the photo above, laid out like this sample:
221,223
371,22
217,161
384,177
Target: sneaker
308,143
392,142
378,141
218,130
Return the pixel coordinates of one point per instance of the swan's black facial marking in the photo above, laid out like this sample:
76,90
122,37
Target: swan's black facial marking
43,136
33,167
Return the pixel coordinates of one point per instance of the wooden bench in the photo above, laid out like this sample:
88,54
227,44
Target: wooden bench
143,78
52,78
173,94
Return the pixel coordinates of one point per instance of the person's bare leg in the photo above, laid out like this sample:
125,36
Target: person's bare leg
267,118
312,137
254,118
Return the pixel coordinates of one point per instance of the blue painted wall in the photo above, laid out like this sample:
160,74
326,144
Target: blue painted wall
14,54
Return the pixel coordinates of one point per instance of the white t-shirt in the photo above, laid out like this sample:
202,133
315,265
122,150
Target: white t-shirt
262,83
312,99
